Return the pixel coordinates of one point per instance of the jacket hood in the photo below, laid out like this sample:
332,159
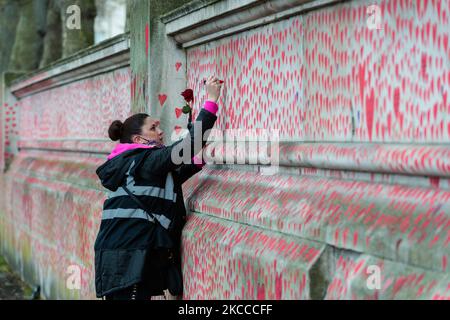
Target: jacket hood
113,171
122,147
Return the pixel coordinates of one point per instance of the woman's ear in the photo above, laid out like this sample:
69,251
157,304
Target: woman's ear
135,139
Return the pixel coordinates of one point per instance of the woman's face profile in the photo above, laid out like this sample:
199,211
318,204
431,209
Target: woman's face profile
150,132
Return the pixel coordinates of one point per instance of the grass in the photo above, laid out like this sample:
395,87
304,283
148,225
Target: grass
5,268
27,291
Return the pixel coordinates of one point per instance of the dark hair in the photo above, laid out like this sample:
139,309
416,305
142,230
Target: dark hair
123,131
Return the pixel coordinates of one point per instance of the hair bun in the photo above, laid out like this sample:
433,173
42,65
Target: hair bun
115,130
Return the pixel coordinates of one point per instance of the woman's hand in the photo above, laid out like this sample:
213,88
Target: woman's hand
213,86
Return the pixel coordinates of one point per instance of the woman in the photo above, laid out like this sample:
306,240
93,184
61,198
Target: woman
137,250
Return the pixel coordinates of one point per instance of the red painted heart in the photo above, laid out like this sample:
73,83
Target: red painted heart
178,112
162,98
177,129
177,66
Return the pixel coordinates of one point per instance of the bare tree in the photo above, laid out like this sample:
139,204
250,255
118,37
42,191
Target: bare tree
27,50
9,14
53,36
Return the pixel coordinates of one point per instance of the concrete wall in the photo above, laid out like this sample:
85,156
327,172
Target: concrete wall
362,113
364,157
9,119
51,197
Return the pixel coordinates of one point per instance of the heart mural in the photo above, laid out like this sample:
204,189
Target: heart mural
162,98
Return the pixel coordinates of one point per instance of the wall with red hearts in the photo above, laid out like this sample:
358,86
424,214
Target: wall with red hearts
52,199
360,111
363,185
326,76
10,129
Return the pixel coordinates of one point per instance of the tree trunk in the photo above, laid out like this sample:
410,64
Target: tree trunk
9,14
27,49
53,36
127,19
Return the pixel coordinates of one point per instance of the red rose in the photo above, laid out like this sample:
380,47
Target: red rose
188,95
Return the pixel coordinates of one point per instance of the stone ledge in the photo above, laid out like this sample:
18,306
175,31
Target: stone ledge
187,9
397,281
105,56
227,260
392,158
400,223
99,146
198,24
66,172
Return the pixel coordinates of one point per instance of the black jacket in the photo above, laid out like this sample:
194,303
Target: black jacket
126,232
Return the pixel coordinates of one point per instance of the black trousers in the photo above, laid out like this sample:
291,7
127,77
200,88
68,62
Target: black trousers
134,292
154,278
